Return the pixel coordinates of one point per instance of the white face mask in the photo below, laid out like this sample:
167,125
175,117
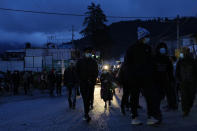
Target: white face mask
181,55
163,51
146,40
88,55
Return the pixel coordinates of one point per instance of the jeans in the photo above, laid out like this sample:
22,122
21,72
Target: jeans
72,92
87,92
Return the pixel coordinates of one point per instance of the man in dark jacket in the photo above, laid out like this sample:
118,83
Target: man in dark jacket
58,84
16,81
139,76
186,73
164,79
87,70
71,82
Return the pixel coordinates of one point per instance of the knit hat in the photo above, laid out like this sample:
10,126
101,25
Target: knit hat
142,32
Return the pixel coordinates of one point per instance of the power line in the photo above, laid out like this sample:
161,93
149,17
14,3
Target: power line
79,15
40,12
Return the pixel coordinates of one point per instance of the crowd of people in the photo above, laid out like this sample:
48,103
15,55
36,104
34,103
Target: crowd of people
157,77
152,74
26,81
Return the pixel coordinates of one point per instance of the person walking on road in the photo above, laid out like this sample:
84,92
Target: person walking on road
107,87
51,81
164,78
58,84
16,82
139,70
186,73
87,71
71,82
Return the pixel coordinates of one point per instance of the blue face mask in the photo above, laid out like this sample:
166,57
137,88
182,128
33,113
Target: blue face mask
181,55
88,55
146,40
162,50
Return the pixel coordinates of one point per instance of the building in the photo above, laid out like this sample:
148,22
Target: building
12,60
190,41
37,59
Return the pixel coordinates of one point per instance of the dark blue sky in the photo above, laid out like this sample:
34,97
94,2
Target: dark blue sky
22,27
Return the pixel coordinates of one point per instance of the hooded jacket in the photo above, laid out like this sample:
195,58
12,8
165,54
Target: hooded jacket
163,67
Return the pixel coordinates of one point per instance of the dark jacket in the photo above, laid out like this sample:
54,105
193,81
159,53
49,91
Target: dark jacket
138,62
51,77
106,86
163,66
16,78
70,76
58,79
186,70
87,70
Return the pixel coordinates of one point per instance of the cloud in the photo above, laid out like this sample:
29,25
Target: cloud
34,27
36,38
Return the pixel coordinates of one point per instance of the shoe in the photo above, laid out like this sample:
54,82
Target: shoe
152,121
87,118
136,121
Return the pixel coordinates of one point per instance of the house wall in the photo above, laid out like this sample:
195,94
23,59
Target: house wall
11,66
37,59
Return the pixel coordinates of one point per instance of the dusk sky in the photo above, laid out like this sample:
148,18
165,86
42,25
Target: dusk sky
23,27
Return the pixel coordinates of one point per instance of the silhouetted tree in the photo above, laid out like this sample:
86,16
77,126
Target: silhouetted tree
96,30
27,45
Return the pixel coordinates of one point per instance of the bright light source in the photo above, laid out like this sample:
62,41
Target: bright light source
118,66
106,67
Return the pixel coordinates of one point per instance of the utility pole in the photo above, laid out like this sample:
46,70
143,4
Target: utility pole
178,32
73,34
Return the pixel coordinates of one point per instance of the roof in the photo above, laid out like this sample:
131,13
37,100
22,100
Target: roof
16,51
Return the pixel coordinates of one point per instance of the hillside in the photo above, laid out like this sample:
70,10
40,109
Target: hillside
124,33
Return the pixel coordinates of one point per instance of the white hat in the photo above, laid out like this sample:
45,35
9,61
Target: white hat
142,32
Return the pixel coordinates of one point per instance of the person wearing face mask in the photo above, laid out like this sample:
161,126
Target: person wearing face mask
87,72
138,64
164,79
186,74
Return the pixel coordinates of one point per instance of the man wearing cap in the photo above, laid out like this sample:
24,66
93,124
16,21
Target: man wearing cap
87,71
139,72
